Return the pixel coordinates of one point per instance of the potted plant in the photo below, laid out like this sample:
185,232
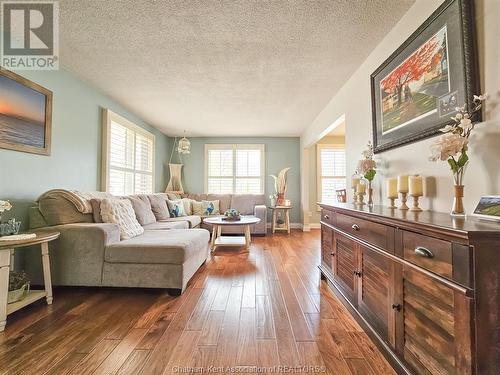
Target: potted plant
232,215
19,286
4,206
281,186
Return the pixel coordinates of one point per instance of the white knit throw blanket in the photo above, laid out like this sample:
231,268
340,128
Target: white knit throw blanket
80,199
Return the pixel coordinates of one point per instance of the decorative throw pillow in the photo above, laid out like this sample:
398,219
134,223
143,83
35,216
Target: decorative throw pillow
121,212
188,205
176,208
206,208
96,210
159,206
142,209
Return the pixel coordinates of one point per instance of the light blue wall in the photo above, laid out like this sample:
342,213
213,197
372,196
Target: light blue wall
75,160
280,153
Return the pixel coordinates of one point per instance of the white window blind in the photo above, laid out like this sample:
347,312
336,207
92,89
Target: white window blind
234,169
331,171
128,157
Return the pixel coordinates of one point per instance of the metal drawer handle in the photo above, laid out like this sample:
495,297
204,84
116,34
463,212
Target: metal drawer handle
332,254
396,306
423,252
327,217
355,227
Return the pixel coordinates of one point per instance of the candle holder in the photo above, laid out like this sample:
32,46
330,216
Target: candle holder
403,202
361,197
392,204
415,207
354,195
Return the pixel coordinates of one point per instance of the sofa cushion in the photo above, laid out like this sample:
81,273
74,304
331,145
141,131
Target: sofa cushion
206,208
245,203
174,246
163,225
159,206
120,211
188,205
224,201
142,209
192,220
176,208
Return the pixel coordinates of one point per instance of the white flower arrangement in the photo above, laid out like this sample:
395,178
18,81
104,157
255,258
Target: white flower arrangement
367,166
5,206
452,146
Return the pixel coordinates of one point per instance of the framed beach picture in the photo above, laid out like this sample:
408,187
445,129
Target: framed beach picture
488,208
25,114
416,91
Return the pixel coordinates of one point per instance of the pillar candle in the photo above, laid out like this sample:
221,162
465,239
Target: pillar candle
403,184
355,182
392,187
416,186
361,188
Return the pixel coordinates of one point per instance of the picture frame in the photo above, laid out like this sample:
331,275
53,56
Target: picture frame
416,90
25,115
488,208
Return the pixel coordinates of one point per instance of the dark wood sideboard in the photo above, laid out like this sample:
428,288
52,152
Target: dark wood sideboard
425,286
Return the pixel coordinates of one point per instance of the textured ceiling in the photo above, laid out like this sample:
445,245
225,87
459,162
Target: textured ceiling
235,68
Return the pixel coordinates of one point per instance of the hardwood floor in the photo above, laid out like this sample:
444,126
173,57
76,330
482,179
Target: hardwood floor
260,308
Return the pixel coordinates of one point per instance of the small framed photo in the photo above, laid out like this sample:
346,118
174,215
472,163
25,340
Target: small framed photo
488,208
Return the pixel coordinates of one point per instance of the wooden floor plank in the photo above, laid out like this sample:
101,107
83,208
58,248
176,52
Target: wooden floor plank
211,329
94,359
247,346
118,356
134,362
160,356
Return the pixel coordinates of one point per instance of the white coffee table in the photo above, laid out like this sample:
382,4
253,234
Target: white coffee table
217,224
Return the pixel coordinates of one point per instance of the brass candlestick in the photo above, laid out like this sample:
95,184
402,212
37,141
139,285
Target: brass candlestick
403,202
361,197
415,206
392,204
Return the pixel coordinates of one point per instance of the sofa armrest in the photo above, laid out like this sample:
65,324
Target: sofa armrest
77,256
260,211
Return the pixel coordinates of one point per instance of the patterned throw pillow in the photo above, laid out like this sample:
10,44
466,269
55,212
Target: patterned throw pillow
188,205
176,208
121,212
206,208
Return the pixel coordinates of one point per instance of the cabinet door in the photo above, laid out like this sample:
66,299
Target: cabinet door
327,246
346,266
434,331
375,295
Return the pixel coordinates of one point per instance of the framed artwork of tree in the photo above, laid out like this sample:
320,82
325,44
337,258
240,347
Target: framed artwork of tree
416,91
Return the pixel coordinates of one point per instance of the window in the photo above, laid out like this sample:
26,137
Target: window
128,156
234,169
331,171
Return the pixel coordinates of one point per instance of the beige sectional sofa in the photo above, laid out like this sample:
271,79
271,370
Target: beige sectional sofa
166,255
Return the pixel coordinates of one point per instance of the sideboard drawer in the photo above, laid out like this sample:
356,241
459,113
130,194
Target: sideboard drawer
326,216
430,253
376,234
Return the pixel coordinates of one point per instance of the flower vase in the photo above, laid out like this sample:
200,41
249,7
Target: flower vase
370,193
281,199
458,204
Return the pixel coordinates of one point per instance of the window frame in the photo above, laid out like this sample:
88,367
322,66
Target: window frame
108,117
234,148
319,176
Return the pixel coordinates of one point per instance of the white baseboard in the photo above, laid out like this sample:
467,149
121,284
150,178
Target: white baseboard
315,225
292,225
